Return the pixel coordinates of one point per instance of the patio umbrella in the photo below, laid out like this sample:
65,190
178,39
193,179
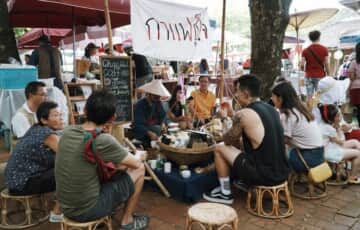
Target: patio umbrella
69,13
310,18
30,39
66,13
292,40
95,34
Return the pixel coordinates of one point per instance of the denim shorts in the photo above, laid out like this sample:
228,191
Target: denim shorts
311,85
112,193
313,157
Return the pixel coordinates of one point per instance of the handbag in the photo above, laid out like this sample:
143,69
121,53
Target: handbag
105,170
317,174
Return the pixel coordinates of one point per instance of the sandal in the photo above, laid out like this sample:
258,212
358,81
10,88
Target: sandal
139,222
56,218
354,180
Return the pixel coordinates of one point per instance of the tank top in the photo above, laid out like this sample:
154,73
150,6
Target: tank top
269,158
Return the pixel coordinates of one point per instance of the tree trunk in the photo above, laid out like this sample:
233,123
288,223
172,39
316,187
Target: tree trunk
7,37
269,19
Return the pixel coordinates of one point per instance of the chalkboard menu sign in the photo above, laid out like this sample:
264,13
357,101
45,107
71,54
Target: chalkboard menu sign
116,76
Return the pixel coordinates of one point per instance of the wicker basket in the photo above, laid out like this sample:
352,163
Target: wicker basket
187,156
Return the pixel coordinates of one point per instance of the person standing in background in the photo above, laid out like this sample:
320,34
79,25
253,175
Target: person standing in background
315,63
204,66
48,61
354,75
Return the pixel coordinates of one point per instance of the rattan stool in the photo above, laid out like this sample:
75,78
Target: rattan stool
29,211
274,192
341,173
68,224
301,187
211,216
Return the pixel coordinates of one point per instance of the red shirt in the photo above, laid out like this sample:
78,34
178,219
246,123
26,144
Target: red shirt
312,67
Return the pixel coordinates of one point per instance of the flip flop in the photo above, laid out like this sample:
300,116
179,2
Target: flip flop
355,180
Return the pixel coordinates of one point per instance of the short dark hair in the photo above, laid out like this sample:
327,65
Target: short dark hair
314,35
250,83
44,39
100,107
32,88
44,110
203,76
328,112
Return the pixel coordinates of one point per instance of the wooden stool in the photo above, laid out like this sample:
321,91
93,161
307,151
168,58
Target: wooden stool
301,187
211,215
274,192
29,211
68,224
341,174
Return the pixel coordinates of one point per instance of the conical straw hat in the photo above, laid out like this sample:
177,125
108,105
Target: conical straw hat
155,87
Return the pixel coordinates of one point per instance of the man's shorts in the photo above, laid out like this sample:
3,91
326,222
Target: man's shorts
311,85
113,193
243,170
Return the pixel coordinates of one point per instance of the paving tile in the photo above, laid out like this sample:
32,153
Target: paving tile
345,220
335,203
351,210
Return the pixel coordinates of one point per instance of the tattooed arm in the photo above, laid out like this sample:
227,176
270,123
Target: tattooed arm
233,136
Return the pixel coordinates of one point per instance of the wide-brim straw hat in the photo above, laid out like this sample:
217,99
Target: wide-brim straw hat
155,87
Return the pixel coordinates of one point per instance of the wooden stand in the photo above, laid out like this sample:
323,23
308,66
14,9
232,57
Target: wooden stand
341,174
73,97
68,224
212,216
274,192
28,210
301,187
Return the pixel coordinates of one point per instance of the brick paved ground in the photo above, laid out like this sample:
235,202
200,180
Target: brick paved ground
168,214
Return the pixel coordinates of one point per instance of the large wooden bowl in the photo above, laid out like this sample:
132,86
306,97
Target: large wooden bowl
187,156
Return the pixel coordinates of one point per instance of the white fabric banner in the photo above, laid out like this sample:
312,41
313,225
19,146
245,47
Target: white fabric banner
170,31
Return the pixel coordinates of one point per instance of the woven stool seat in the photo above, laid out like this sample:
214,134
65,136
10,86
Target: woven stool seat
68,224
211,215
301,187
274,192
33,216
340,173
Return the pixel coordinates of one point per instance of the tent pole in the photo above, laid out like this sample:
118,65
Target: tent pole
74,48
222,51
108,26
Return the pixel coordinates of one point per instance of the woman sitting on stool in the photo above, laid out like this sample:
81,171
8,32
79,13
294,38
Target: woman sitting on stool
176,108
300,128
30,169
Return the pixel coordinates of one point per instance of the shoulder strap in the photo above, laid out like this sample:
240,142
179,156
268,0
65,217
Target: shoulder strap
316,58
302,159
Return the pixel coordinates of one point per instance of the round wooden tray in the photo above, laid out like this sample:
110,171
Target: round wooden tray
187,156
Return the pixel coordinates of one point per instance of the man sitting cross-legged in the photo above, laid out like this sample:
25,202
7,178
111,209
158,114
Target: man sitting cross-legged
258,129
83,193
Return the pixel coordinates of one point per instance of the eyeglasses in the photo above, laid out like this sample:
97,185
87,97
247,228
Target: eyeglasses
56,115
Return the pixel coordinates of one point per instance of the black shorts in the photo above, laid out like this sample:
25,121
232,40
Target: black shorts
244,170
113,193
38,185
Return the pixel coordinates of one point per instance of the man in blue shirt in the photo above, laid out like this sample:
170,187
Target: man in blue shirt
149,113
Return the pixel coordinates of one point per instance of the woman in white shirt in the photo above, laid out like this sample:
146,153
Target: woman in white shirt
336,147
301,132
